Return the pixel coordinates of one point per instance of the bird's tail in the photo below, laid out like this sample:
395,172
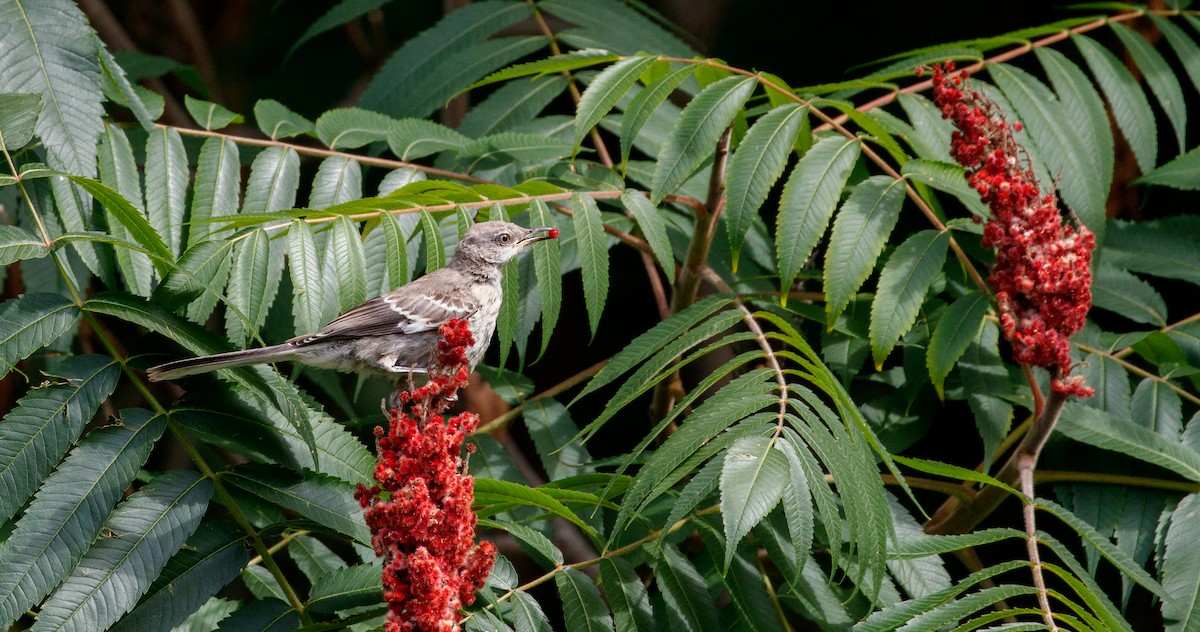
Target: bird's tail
204,364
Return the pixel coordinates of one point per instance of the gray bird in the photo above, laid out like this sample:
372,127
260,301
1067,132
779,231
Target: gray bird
397,333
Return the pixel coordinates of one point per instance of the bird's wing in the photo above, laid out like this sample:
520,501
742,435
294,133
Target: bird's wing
411,309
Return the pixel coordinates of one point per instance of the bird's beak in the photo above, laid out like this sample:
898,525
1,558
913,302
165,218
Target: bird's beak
538,234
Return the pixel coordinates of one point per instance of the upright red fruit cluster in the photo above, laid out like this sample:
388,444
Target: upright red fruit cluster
1042,275
420,511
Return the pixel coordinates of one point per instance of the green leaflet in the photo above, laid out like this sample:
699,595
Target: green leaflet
797,498
345,252
808,200
338,180
654,369
410,139
119,170
338,15
894,616
859,234
131,218
689,606
754,168
29,323
1111,382
1158,407
539,547
253,284
274,178
510,299
1083,105
18,244
583,608
217,188
547,265
347,128
903,282
166,186
152,523
592,243
1186,49
18,116
54,53
210,116
653,340
753,479
627,595
502,149
1129,105
957,329
199,278
489,492
930,132
734,402
621,28
396,247
1182,172
512,105
1159,76
1118,291
313,558
278,122
346,588
1110,551
605,89
435,248
694,137
654,229
308,284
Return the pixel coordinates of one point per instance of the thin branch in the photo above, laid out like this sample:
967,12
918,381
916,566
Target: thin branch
1027,463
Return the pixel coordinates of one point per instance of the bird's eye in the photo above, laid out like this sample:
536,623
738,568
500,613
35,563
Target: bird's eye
503,238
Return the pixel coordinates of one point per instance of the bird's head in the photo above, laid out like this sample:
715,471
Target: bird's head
498,242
